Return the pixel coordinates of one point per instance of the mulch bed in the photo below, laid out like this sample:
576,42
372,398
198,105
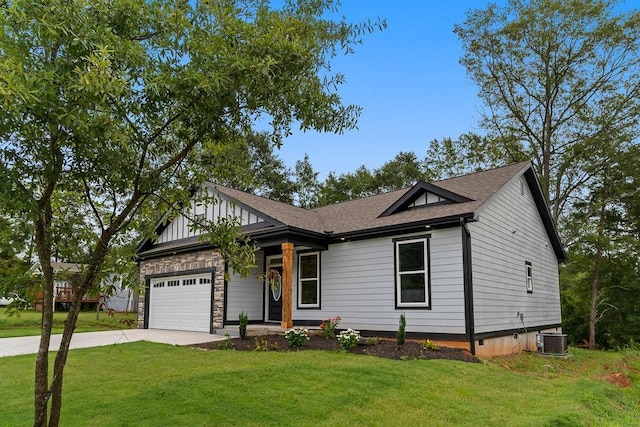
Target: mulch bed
379,348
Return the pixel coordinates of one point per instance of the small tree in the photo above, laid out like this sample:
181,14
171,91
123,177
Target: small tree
244,320
114,104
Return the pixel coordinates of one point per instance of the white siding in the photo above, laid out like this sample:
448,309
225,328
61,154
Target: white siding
509,233
179,226
357,284
246,294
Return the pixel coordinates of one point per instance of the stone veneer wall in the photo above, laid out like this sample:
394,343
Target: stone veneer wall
185,263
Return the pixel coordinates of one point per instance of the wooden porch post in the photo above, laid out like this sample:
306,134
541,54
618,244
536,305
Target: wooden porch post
287,285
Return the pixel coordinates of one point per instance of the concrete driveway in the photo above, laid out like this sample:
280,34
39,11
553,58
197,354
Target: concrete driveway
29,345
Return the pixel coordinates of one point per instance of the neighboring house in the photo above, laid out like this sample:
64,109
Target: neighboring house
63,292
472,261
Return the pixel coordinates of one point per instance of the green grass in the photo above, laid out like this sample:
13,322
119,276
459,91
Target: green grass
150,384
29,323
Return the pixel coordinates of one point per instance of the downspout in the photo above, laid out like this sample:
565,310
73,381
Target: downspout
468,285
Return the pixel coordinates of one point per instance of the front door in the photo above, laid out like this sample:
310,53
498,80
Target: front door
273,284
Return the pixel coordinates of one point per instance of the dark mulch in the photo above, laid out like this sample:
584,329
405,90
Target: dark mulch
379,348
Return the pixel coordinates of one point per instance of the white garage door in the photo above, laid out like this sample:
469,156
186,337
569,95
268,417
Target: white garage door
181,303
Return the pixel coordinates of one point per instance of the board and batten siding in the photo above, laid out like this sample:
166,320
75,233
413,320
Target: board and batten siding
357,284
223,208
246,294
509,233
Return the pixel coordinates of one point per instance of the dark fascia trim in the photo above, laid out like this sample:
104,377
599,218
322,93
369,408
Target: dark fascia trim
415,191
467,270
275,236
410,227
545,215
181,273
278,235
507,332
175,250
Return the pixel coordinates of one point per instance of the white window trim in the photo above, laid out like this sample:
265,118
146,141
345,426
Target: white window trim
300,280
528,268
398,274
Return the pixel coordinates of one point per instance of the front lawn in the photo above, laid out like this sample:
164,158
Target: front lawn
29,323
159,385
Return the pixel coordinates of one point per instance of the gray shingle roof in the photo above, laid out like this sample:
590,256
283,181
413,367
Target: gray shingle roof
364,214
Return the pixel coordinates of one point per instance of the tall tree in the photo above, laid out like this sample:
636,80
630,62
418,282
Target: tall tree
604,247
557,78
306,184
250,164
403,171
118,101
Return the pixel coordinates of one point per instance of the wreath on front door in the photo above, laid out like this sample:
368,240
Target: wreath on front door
274,279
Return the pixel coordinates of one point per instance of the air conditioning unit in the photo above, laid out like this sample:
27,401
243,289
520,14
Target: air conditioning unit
552,344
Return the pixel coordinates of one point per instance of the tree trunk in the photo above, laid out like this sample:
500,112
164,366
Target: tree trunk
61,358
593,309
41,385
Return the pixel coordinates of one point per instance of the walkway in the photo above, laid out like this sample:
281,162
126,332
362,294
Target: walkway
29,345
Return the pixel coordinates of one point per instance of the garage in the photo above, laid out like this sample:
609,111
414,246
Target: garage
181,303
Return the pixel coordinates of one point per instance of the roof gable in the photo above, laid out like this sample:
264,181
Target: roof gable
423,194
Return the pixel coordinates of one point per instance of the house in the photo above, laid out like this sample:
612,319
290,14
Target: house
63,292
472,261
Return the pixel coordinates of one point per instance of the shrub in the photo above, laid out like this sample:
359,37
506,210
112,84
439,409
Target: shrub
401,336
349,339
227,344
328,327
244,320
262,343
430,345
372,341
297,337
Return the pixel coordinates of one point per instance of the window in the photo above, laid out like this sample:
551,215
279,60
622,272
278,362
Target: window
187,282
205,280
309,280
173,283
158,285
529,276
412,272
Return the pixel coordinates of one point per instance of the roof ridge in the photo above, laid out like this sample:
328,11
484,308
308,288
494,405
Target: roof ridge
522,164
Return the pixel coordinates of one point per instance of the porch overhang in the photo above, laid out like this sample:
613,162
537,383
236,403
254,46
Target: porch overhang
276,236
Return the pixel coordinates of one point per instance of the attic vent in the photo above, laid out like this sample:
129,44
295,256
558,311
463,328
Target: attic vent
427,199
553,344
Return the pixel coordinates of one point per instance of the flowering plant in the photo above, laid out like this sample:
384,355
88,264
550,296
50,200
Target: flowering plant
328,327
349,339
297,337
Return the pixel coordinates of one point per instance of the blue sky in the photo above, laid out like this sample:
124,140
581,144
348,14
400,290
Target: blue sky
407,79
